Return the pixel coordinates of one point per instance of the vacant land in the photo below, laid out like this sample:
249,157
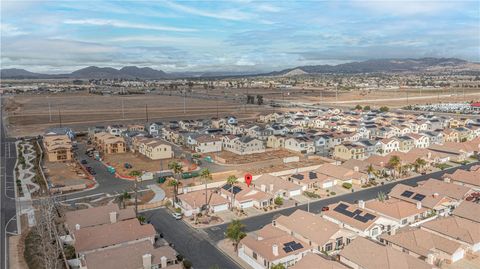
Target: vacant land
32,114
65,174
138,162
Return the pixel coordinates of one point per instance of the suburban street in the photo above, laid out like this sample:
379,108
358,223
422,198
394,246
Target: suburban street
7,190
192,244
198,245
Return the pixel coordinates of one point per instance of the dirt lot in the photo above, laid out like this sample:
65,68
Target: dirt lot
232,158
138,161
65,174
32,114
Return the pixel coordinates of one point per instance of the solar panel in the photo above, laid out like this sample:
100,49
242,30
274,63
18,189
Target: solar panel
361,218
297,246
289,243
235,189
298,176
357,212
312,175
342,206
369,216
287,249
418,197
407,194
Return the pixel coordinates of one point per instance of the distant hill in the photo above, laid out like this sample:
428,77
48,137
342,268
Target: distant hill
370,66
384,66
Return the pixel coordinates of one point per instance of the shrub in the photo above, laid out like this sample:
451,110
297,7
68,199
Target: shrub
333,193
69,252
311,194
187,264
347,185
278,200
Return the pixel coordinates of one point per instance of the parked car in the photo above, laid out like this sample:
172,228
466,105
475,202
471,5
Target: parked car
84,162
325,208
177,216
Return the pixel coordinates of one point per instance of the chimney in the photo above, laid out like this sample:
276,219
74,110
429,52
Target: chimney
355,169
259,238
361,204
446,179
430,258
271,187
435,194
113,217
163,262
275,249
77,227
147,261
419,205
263,187
393,230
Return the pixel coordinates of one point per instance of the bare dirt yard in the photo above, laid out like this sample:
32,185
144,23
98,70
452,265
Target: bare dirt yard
232,158
65,174
138,162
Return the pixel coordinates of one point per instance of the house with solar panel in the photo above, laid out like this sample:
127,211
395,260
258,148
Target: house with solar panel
242,196
435,202
311,180
322,235
271,246
358,219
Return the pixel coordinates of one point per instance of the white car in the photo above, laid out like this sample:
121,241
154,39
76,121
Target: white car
177,216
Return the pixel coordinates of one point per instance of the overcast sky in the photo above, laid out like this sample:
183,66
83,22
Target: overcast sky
56,36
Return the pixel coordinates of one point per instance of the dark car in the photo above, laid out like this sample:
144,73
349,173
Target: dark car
325,208
84,162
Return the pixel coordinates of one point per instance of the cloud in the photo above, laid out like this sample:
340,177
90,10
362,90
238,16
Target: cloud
10,30
229,14
408,7
124,24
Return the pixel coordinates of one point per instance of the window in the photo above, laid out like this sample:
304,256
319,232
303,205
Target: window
404,221
375,231
254,255
328,247
339,242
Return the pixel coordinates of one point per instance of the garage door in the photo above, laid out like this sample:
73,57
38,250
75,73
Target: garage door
458,255
295,193
219,208
476,247
247,204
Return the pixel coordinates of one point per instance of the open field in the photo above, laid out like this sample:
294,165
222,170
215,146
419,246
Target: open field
65,174
32,114
138,162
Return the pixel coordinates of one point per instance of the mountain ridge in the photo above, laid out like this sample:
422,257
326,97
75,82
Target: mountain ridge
369,66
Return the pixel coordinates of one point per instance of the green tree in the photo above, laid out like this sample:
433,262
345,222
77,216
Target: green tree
366,108
278,201
358,107
384,109
381,196
235,232
232,180
177,170
122,198
394,163
372,173
206,176
135,173
419,164
142,219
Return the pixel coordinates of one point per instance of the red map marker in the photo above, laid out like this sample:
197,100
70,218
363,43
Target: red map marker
248,179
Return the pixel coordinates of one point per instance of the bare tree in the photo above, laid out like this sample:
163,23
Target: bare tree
46,228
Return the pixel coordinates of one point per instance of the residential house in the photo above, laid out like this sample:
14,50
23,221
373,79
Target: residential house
402,212
349,151
95,216
343,174
363,253
271,246
152,148
277,186
132,256
155,128
425,246
311,260
441,204
300,144
312,230
242,145
311,179
116,129
109,144
458,229
405,143
468,210
191,203
276,141
245,197
358,219
58,148
388,145
208,144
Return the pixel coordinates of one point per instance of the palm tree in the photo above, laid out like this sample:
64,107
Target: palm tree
122,198
136,174
177,169
394,163
235,232
232,181
206,176
419,164
371,172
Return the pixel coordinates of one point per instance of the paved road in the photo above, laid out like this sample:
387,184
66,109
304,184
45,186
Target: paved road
192,244
7,191
216,233
107,183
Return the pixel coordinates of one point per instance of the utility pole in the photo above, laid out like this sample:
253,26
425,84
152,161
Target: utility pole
60,118
123,110
49,110
184,102
336,93
146,113
136,196
217,108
